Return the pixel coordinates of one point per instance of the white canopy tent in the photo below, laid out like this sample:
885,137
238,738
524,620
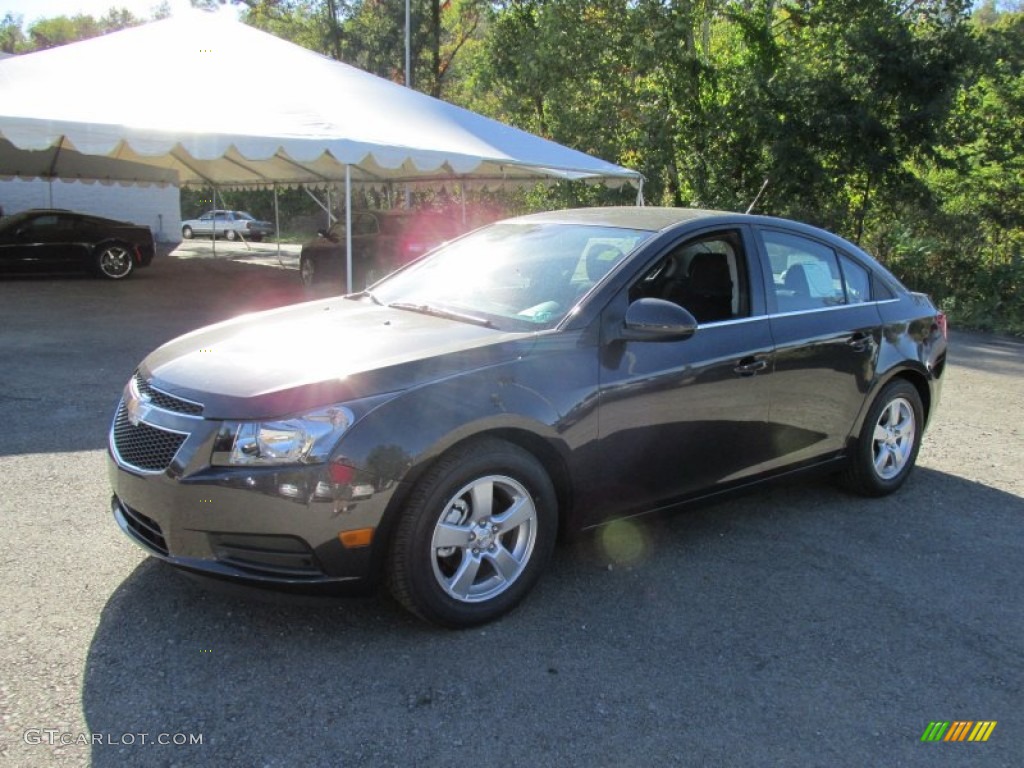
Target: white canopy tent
225,104
205,99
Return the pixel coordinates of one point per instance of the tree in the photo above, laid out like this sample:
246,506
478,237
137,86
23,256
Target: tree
12,39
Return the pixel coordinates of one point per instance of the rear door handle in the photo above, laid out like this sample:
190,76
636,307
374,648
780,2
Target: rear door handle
859,341
748,366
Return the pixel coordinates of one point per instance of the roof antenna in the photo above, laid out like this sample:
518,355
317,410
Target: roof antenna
758,196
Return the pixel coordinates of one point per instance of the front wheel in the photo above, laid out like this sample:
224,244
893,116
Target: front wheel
231,234
474,536
886,449
186,232
114,262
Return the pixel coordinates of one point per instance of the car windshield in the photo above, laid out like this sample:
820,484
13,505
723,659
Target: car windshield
244,215
513,275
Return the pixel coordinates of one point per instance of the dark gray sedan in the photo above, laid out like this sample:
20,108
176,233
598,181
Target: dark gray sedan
541,375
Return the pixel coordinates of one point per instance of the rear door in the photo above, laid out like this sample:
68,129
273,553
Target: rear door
827,334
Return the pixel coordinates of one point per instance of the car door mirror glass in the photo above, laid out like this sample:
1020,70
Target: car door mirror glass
652,319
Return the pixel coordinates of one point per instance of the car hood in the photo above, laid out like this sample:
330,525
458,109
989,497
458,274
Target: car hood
289,360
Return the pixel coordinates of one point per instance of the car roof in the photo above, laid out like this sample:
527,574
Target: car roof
633,217
65,212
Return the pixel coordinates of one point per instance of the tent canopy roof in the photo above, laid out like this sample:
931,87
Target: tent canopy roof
246,109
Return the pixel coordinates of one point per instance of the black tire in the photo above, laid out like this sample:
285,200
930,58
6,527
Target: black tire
114,261
231,234
187,233
886,449
474,536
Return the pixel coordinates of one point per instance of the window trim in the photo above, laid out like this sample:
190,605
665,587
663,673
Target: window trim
772,307
757,307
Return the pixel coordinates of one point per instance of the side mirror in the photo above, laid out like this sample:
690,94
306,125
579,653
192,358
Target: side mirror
657,320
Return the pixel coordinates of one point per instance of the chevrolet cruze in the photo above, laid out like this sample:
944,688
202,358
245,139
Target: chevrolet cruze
536,377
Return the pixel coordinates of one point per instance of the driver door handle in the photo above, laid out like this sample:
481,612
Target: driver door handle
749,366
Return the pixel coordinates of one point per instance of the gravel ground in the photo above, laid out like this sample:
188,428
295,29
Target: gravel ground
796,627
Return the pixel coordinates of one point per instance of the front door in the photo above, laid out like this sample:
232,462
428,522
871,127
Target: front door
681,418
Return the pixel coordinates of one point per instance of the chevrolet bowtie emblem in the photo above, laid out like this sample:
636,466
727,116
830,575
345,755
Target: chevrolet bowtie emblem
136,406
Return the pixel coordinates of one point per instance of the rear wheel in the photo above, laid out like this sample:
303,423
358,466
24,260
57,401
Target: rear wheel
114,262
187,233
231,234
886,450
474,536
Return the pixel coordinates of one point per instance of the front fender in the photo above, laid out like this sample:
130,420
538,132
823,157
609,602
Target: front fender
551,416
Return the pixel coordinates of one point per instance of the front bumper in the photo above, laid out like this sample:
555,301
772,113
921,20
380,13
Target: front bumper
273,527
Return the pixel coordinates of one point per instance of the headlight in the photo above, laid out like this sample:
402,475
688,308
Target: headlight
306,439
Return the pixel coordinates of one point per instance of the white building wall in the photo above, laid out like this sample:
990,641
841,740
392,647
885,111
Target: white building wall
154,206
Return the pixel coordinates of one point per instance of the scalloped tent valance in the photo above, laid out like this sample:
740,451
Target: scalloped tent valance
246,109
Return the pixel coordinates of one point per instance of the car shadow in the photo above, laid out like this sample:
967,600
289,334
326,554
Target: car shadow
800,585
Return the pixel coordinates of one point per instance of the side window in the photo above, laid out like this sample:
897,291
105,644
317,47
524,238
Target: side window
805,273
42,223
364,224
706,275
858,281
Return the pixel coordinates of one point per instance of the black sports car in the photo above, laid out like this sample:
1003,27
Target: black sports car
51,240
543,374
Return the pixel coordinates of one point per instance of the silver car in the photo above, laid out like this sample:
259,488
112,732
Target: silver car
229,224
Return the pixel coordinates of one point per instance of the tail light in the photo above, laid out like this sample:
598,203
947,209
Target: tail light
942,324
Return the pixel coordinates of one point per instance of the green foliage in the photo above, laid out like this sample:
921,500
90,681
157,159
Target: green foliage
60,30
963,239
371,34
12,38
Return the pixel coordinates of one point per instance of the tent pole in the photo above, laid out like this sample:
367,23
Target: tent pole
408,68
277,224
348,228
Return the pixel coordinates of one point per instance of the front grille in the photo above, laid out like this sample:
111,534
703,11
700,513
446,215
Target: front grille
142,446
145,528
166,401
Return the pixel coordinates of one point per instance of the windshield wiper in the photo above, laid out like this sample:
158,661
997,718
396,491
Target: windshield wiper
427,309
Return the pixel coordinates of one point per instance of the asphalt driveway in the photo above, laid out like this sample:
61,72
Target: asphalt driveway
797,627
